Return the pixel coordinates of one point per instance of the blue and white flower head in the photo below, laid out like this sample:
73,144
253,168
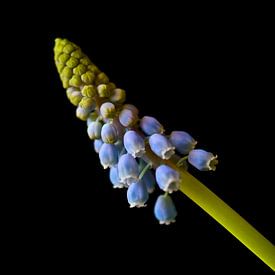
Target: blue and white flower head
128,169
134,144
137,194
202,160
161,146
109,133
150,126
183,142
167,178
108,155
165,210
114,177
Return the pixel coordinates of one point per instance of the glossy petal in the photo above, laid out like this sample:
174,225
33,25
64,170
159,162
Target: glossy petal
97,145
202,160
150,126
183,142
134,144
161,146
114,178
165,210
108,155
109,133
167,178
137,194
128,169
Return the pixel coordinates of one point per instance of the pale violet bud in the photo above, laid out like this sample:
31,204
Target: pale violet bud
128,169
82,113
107,110
114,178
94,130
109,133
108,155
167,178
161,146
183,142
137,194
202,160
165,210
150,126
97,145
92,117
134,144
128,118
131,107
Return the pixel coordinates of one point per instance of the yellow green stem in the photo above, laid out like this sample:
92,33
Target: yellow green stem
228,218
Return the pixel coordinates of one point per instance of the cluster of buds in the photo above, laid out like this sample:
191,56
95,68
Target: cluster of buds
135,149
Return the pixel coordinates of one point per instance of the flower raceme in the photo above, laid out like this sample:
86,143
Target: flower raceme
127,144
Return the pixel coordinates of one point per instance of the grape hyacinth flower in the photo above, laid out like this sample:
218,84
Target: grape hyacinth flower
133,148
202,160
161,146
134,144
165,210
137,194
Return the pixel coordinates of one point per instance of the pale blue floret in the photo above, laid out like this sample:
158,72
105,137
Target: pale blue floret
183,142
137,194
167,178
150,126
202,160
108,155
94,130
128,169
128,118
165,210
109,133
134,144
97,145
114,178
161,146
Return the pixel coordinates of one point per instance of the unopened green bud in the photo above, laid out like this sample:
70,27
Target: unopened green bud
89,91
75,98
80,69
68,48
88,77
87,103
101,78
63,58
72,62
93,68
103,90
77,54
75,81
85,61
66,73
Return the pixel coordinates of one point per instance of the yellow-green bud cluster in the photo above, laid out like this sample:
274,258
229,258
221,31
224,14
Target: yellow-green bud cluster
86,85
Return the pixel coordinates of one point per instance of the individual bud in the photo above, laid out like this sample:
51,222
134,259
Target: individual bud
87,103
72,62
88,91
137,194
107,110
108,155
134,144
128,169
97,145
149,125
183,142
94,130
131,107
128,118
66,73
77,54
114,178
202,160
118,96
150,181
92,117
75,81
80,69
68,48
101,78
63,58
165,210
109,133
103,90
93,68
88,77
82,113
120,129
167,178
161,146
85,61
75,98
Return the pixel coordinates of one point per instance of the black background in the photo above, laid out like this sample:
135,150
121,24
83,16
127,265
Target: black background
208,76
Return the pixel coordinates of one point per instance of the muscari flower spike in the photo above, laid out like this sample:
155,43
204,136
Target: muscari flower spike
138,146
